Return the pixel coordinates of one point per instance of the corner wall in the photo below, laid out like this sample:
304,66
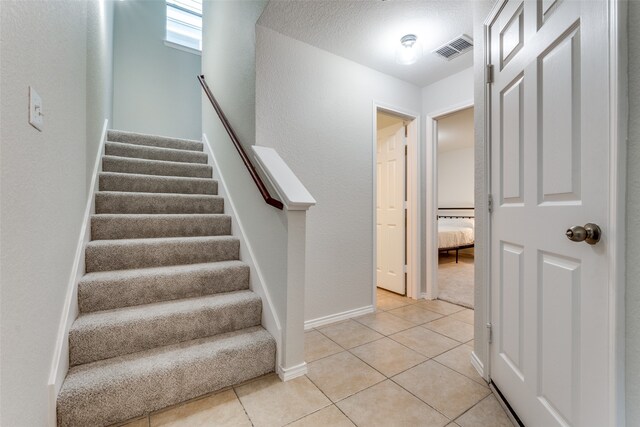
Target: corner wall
317,110
632,373
155,86
43,179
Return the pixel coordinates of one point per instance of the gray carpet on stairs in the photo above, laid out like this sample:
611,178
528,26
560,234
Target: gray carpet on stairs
166,309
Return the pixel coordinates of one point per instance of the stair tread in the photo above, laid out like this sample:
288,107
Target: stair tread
120,388
152,148
157,177
156,271
159,310
134,138
159,240
155,167
111,333
121,149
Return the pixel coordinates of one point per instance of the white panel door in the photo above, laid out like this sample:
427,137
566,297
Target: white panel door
550,171
390,212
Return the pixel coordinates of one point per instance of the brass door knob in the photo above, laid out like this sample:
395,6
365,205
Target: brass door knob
590,233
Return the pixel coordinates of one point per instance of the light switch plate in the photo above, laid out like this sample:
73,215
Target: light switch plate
36,117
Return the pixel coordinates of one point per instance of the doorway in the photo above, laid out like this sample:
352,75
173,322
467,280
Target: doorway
455,208
395,133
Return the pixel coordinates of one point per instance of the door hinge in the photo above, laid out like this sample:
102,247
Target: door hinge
490,203
404,268
489,332
404,204
489,74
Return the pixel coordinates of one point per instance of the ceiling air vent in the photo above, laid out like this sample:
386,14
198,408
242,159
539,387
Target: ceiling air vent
455,47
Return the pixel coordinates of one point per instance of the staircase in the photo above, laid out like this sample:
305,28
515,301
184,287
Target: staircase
166,313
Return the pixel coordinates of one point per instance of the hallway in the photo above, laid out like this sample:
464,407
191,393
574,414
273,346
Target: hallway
406,365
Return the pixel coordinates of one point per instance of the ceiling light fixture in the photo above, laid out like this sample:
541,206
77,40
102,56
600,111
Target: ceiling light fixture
409,51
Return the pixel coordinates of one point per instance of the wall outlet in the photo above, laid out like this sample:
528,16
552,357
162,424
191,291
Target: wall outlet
36,116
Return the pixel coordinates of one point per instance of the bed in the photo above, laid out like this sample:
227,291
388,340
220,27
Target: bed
455,229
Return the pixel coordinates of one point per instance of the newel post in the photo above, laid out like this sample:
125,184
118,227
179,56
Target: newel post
297,200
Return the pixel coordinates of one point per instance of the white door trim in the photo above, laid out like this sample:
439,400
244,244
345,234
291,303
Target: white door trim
413,196
618,109
431,176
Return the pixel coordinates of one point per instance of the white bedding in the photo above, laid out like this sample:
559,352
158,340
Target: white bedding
454,232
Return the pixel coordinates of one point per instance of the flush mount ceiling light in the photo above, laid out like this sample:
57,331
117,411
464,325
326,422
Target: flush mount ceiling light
409,51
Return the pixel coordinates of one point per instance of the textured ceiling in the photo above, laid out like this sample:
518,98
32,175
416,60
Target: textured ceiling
369,31
456,131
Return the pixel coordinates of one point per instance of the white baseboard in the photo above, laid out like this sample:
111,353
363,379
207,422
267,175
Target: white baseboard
256,279
475,361
423,295
60,363
287,374
332,318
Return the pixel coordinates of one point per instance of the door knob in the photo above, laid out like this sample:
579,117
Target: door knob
590,233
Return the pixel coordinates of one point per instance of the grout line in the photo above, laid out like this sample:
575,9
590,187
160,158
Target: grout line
242,406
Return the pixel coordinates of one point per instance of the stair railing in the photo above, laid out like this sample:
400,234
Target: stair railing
236,142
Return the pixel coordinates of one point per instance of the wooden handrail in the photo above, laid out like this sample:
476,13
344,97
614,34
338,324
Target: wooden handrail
243,155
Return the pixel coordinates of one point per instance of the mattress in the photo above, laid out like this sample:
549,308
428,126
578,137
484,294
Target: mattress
453,233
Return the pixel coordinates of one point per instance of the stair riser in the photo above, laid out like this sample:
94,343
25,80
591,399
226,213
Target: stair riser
143,254
131,393
106,341
114,203
155,167
154,141
152,153
95,295
156,184
136,227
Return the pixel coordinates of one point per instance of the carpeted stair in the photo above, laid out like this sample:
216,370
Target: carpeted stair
166,313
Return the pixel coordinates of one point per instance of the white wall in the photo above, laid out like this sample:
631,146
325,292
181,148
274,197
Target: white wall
155,86
42,184
316,110
455,178
632,373
99,74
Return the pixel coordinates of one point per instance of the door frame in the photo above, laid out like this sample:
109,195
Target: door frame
618,118
431,175
412,169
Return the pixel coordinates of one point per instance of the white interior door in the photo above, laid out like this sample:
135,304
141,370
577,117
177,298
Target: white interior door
390,212
550,171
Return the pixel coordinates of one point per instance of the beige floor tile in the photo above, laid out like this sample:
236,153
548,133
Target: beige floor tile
317,346
424,341
486,413
271,402
329,416
388,303
415,314
221,409
384,323
447,391
388,357
470,344
465,316
441,307
350,333
342,375
140,422
386,404
459,359
452,328
455,425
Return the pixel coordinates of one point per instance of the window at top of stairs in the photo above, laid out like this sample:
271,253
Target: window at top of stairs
184,24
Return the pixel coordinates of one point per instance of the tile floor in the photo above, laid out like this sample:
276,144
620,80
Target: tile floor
405,365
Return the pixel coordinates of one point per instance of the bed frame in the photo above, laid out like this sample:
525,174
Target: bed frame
456,248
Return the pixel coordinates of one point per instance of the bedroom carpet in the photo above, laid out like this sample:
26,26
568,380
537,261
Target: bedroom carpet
455,281
166,313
